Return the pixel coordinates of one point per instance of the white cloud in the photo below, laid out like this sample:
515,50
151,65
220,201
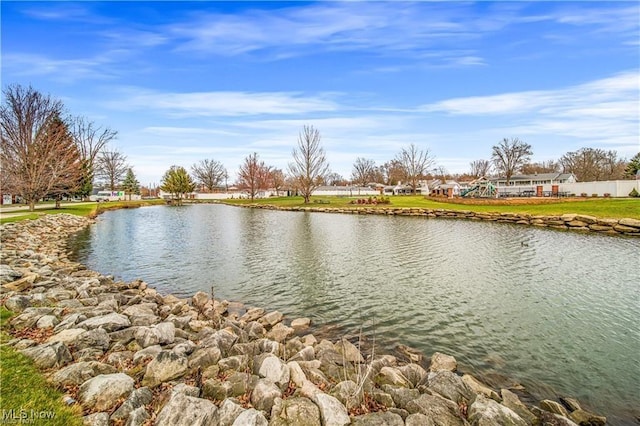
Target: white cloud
222,104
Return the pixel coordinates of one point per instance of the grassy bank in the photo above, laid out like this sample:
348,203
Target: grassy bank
78,209
24,390
600,207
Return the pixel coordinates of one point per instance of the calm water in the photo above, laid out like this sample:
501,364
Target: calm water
559,313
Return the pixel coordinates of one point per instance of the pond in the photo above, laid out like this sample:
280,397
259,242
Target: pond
555,311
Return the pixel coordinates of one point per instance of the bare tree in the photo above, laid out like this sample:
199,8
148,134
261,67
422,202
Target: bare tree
334,179
364,171
35,150
278,180
414,164
548,166
209,173
593,164
391,172
111,167
442,173
253,175
309,164
480,168
510,155
90,139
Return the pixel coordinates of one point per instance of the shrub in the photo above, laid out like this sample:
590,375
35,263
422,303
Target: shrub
594,195
584,194
634,193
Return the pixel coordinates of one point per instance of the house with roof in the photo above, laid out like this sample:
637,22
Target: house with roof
538,184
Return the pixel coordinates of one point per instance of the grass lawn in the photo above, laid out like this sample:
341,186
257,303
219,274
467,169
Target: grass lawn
22,387
79,209
600,207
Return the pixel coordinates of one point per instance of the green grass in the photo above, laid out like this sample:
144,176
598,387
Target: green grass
601,207
79,209
22,387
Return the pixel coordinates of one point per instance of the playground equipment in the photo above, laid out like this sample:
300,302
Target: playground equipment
481,189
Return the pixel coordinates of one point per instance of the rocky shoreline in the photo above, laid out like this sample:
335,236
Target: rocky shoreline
131,356
567,222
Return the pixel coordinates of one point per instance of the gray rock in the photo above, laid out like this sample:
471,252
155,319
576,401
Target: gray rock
349,351
96,419
252,314
440,361
184,348
200,299
487,412
236,362
236,385
414,373
29,317
280,332
182,410
223,339
450,386
300,324
164,367
295,412
229,411
378,419
255,330
204,357
143,314
511,401
553,407
274,369
67,336
418,419
69,321
120,360
109,322
138,417
137,399
549,419
186,389
17,303
480,388
103,392
160,334
80,372
401,396
440,410
271,319
348,393
92,339
392,376
264,395
586,418
306,354
332,412
49,355
146,354
251,417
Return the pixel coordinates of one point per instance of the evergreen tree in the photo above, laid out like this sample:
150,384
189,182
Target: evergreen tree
131,184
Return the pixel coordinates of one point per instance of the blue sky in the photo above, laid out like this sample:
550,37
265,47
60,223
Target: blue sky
185,81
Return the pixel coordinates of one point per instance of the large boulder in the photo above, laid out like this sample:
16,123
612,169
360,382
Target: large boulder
265,394
274,369
183,410
78,373
440,361
104,391
378,419
164,367
109,322
229,411
332,412
49,355
392,376
479,388
441,411
295,412
450,386
204,357
511,401
251,417
159,334
137,399
349,351
487,412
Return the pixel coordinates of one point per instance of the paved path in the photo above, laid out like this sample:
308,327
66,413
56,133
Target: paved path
12,210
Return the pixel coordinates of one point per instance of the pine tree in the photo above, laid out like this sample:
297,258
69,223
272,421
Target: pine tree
131,184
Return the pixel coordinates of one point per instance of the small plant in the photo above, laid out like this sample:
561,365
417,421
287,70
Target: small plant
594,195
584,194
607,195
634,193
